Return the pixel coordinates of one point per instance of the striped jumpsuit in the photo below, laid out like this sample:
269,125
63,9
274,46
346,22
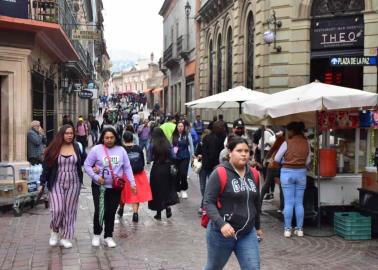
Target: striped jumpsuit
64,197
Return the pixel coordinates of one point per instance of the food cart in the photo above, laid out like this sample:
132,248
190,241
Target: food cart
333,115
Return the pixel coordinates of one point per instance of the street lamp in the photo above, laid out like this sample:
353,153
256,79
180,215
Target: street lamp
188,8
269,36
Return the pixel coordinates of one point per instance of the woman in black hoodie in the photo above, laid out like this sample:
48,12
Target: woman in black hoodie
235,225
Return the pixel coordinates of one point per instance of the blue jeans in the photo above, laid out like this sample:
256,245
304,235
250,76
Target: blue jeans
293,183
219,249
143,144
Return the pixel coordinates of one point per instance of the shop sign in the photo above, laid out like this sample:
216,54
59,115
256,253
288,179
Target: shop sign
338,120
354,61
14,8
338,32
85,94
86,35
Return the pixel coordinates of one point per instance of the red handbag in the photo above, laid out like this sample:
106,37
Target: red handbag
117,182
222,175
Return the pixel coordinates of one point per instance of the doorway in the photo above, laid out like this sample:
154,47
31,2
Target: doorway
342,76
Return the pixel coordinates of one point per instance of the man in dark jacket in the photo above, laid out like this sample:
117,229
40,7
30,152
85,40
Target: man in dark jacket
36,140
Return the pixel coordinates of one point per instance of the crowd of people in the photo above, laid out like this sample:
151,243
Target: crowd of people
128,140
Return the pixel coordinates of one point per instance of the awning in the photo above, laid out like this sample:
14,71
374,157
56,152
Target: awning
50,36
148,90
157,90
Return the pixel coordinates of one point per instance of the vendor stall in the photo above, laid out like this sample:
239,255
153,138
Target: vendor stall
341,136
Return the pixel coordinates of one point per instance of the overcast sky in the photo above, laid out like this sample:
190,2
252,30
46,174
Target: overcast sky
133,26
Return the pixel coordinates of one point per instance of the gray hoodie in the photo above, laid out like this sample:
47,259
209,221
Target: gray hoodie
240,201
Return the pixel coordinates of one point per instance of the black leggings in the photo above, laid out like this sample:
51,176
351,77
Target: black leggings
112,198
182,174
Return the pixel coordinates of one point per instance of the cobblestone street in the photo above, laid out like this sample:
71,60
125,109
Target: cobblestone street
178,243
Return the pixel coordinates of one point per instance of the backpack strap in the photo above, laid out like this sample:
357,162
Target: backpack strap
222,175
256,175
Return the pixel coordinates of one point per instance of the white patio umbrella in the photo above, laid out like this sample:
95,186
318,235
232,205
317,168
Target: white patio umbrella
302,103
232,98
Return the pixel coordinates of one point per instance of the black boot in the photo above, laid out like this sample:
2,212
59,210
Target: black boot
120,211
168,212
158,215
135,217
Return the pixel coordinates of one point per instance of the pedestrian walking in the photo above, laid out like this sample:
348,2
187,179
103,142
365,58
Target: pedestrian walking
168,127
202,173
235,225
162,182
136,120
136,157
36,140
144,134
135,136
273,168
63,175
294,155
67,120
198,125
95,128
183,151
82,132
107,156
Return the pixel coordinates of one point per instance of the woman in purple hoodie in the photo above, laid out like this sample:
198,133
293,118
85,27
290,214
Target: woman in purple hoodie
97,167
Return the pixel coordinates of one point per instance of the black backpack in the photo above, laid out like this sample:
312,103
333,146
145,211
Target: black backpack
136,161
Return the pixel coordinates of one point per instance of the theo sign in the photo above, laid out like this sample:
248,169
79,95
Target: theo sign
354,61
85,94
341,32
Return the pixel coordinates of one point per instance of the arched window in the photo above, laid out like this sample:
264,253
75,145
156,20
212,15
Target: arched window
328,7
229,58
211,68
219,64
250,49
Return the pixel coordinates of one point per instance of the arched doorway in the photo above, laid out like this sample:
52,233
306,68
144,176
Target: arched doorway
337,32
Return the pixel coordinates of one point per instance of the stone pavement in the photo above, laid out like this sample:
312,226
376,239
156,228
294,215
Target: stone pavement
177,243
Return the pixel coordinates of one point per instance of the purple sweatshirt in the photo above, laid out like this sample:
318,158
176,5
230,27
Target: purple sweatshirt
120,164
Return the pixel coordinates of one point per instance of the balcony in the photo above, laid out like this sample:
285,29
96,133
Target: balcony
61,13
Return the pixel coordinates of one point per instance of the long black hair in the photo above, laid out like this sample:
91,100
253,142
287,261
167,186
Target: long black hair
160,145
176,134
112,130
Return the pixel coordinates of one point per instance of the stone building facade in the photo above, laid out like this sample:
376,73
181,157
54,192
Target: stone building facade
179,57
40,63
232,50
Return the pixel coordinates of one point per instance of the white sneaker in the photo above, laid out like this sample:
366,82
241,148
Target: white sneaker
184,194
54,238
287,233
110,242
65,243
298,232
96,241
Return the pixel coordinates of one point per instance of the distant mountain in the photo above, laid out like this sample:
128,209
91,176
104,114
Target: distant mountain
123,59
121,65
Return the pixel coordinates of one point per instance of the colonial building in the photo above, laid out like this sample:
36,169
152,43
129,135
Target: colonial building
41,66
143,77
179,57
274,45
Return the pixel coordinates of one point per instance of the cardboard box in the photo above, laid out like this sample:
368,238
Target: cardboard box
370,181
6,188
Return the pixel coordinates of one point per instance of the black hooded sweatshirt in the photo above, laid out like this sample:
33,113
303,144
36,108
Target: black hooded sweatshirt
242,216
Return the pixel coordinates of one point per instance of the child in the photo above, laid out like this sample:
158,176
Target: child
136,157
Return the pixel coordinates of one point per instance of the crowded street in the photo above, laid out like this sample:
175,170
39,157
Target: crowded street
188,135
175,244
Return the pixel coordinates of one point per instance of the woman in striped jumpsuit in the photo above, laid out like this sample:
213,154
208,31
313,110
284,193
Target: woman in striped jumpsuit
63,174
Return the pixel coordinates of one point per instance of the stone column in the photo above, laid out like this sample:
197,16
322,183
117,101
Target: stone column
16,103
